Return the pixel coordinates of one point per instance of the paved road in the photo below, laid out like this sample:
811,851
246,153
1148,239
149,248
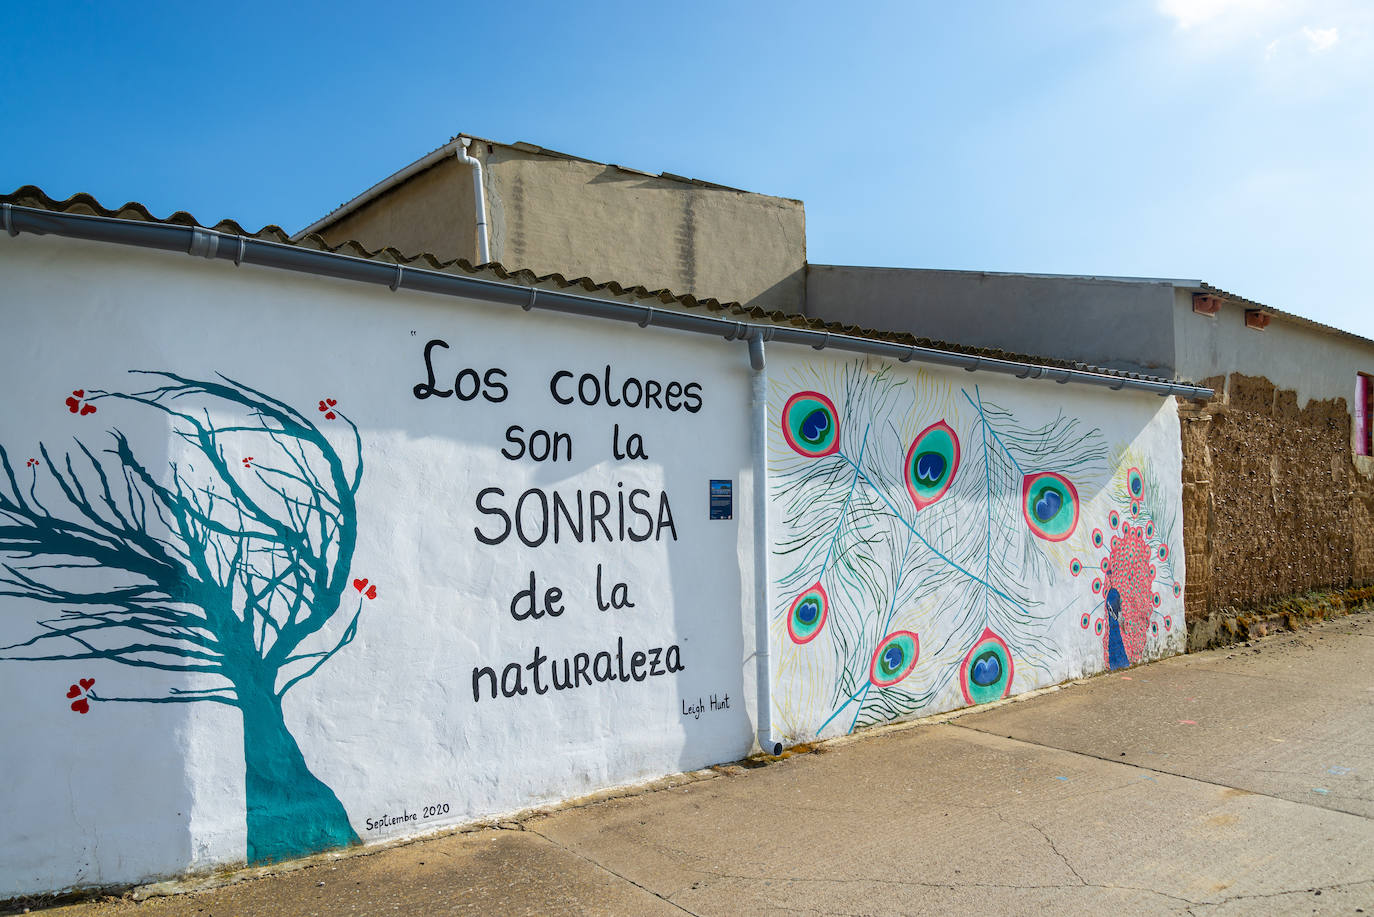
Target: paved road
1235,782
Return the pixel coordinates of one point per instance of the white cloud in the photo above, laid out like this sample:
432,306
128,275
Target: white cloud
1319,40
1190,13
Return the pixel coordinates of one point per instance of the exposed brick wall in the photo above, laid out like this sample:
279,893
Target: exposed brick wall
1272,502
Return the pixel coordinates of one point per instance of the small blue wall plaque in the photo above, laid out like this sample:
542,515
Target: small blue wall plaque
722,499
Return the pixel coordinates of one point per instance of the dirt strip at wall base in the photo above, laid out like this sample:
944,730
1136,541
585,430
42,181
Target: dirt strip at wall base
1291,613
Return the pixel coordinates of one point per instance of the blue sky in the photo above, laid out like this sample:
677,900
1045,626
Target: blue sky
1224,140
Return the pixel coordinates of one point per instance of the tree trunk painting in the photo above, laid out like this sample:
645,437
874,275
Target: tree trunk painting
290,811
230,566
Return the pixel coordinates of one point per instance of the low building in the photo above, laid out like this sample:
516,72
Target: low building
312,545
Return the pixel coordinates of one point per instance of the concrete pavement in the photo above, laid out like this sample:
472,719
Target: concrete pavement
1234,782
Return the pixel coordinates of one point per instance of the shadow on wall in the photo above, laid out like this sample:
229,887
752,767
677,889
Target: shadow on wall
608,223
224,573
67,786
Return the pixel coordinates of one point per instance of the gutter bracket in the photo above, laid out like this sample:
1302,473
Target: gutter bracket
7,219
648,317
534,294
400,275
204,243
909,354
821,346
242,252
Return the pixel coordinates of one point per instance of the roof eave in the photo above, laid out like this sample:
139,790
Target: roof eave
1287,317
213,244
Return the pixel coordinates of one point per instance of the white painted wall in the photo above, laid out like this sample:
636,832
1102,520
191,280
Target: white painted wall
388,725
965,562
131,791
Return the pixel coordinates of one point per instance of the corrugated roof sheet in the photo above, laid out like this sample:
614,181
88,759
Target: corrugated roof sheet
32,196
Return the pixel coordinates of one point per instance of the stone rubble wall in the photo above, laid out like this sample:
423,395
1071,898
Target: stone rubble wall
1273,504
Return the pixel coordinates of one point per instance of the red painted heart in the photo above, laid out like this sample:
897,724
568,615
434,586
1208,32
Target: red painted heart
73,405
360,584
80,393
321,405
87,409
73,691
330,401
329,416
81,706
371,592
87,684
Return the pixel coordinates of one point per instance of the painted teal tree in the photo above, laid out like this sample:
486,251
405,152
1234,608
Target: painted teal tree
227,564
902,501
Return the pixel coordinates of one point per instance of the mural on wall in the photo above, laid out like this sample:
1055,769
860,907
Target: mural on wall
227,566
549,549
1134,569
916,521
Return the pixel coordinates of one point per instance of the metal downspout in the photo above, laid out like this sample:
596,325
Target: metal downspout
479,201
763,663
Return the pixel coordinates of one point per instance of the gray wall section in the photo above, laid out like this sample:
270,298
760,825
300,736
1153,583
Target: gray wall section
1126,325
1315,364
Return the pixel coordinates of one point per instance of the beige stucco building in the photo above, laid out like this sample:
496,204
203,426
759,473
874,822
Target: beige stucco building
549,212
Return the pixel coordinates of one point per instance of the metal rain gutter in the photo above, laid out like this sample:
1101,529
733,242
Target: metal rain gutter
215,245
